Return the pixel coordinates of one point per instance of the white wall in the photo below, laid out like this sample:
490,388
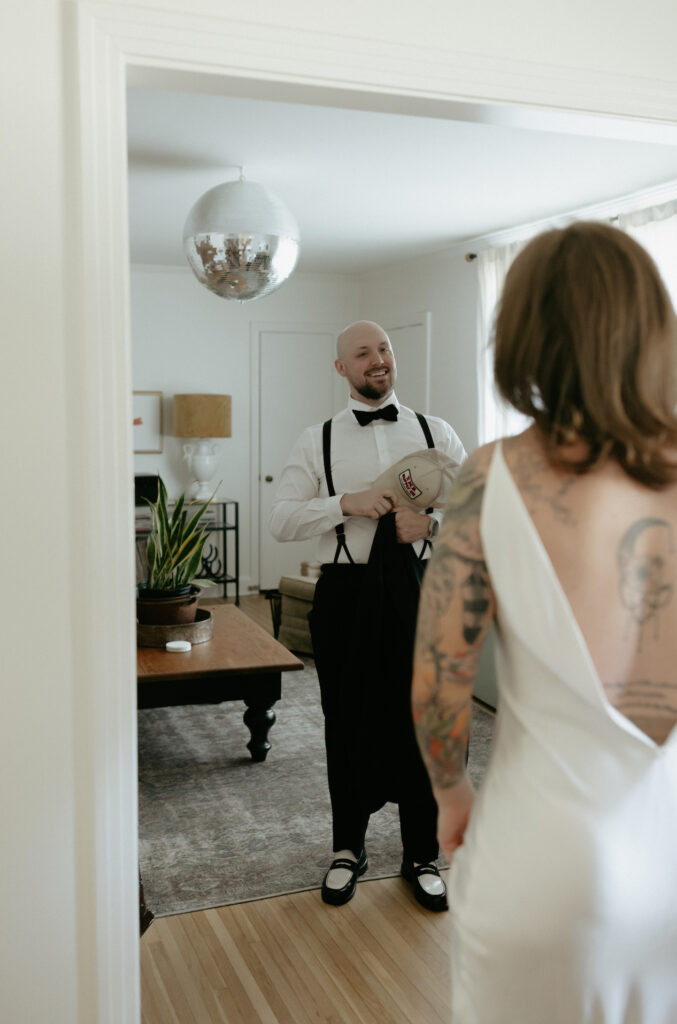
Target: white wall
184,339
446,286
50,893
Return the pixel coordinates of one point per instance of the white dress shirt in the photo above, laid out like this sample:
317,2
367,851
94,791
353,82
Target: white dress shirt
302,507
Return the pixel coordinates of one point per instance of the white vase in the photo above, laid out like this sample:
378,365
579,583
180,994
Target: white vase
202,458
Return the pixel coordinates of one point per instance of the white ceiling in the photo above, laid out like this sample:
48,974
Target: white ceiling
371,188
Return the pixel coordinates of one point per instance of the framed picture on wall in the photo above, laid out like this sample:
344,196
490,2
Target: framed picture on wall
147,420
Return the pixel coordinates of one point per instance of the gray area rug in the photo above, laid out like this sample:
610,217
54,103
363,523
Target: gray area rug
215,828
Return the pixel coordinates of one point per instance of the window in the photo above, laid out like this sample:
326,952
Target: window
654,227
496,417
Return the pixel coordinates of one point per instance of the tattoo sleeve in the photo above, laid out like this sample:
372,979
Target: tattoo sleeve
456,609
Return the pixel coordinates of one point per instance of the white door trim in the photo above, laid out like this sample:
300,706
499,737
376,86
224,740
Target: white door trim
377,74
106,41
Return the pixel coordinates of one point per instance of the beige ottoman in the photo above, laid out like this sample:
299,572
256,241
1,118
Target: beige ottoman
296,600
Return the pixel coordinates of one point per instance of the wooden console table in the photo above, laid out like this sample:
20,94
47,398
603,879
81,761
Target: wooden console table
240,662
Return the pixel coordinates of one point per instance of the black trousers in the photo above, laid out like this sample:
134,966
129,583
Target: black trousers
372,755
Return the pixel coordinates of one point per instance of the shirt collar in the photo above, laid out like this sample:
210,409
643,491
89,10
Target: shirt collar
390,400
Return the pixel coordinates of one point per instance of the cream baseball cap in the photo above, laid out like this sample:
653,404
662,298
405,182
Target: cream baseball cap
420,480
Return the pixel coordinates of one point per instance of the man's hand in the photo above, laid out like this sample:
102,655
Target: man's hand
410,525
454,807
373,503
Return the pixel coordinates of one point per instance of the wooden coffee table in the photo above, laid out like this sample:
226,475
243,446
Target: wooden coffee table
240,662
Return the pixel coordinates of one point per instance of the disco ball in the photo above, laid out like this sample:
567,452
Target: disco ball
241,241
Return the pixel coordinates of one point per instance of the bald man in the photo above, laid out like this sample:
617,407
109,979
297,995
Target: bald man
373,553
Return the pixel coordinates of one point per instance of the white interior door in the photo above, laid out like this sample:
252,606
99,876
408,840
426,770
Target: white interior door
296,373
410,339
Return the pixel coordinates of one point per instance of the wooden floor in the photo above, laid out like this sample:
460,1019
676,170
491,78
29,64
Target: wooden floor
381,959
254,605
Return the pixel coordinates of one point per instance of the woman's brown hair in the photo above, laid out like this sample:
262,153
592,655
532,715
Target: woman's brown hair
586,344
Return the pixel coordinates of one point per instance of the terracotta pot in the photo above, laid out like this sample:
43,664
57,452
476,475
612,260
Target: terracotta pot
166,607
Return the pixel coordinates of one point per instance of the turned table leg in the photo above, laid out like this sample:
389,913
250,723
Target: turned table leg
258,718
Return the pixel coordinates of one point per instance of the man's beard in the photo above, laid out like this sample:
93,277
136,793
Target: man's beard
371,392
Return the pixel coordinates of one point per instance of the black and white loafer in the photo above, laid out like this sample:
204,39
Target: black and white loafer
431,900
336,895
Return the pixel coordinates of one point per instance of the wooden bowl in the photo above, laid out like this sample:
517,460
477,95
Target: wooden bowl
197,632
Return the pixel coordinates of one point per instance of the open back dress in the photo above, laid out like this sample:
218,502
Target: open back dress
563,895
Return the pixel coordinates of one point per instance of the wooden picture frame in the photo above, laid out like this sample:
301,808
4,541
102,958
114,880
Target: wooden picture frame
147,422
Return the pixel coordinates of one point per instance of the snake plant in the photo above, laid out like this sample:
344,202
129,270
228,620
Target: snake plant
175,543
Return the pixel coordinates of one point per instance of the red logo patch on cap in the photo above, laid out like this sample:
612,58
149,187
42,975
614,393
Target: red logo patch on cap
407,484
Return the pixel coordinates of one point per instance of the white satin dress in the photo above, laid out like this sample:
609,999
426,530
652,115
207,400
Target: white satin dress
564,894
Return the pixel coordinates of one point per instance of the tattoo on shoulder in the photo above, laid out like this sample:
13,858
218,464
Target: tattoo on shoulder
465,503
531,471
646,576
465,498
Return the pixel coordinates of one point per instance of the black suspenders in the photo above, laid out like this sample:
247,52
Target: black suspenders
431,444
326,454
426,429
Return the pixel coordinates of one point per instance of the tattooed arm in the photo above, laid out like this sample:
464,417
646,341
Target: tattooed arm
457,606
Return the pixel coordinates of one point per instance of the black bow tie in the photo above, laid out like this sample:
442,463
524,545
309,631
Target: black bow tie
388,412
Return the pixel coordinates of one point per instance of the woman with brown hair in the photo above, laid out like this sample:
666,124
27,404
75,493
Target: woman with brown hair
563,883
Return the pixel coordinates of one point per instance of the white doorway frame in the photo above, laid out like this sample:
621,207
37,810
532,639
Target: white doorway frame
104,41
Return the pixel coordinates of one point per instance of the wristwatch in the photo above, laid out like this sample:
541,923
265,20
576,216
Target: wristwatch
434,527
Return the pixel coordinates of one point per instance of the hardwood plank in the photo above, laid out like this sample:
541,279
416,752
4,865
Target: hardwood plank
248,991
322,981
277,973
156,1004
234,996
396,938
168,988
189,977
206,969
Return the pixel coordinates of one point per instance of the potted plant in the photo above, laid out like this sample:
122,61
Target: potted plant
175,545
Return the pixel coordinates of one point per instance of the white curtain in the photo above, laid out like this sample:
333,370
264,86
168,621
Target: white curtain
656,229
496,417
